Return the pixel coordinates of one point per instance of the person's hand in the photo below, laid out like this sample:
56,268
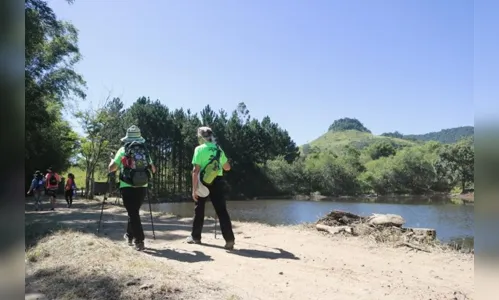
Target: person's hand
27,193
194,196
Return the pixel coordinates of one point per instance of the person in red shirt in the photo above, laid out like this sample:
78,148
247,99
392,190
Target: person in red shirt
69,189
52,180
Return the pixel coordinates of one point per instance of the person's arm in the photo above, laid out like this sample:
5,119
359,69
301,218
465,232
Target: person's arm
116,161
195,173
151,164
32,186
224,162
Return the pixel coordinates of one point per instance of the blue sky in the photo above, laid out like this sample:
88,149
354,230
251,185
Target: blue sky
394,65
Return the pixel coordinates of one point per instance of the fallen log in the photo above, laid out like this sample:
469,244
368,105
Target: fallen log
335,229
427,234
412,246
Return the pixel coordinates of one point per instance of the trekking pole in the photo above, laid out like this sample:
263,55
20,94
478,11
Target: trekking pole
101,213
216,218
103,203
150,212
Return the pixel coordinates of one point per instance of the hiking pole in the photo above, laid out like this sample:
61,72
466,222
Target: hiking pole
104,202
216,218
150,212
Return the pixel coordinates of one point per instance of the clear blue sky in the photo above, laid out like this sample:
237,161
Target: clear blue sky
394,65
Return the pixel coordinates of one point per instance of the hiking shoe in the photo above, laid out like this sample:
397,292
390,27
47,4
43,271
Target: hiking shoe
129,239
140,246
229,245
191,240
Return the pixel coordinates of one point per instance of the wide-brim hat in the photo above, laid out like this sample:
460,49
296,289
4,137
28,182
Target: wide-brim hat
133,135
202,190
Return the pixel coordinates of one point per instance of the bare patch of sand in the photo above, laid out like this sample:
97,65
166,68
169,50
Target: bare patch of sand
293,262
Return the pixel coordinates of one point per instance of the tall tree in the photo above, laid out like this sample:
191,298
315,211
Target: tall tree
50,81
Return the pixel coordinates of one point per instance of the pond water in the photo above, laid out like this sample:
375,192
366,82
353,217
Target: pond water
453,222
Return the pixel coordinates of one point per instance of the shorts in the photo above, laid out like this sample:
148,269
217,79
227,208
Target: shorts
52,193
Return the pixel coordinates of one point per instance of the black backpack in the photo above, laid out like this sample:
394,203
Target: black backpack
52,179
135,164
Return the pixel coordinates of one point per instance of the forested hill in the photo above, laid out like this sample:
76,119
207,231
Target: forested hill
446,136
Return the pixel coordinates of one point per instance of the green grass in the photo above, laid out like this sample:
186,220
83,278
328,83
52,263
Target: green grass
80,176
336,140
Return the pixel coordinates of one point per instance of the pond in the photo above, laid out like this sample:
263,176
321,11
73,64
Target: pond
453,222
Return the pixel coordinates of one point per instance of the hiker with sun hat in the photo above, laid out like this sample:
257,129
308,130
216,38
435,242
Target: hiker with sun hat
135,166
209,162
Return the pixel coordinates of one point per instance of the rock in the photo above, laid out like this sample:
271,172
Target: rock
386,220
135,281
35,296
146,286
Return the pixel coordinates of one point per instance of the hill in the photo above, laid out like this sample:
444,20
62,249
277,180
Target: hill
333,140
446,136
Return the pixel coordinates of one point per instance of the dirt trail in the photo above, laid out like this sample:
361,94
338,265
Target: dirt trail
293,262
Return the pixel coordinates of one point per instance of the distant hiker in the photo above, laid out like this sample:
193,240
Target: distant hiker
38,187
135,167
69,189
209,162
52,180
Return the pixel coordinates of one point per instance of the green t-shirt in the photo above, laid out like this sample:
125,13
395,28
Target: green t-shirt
117,160
204,153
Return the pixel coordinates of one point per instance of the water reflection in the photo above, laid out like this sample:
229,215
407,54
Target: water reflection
452,221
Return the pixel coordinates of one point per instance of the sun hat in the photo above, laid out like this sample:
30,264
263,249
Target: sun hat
202,190
133,135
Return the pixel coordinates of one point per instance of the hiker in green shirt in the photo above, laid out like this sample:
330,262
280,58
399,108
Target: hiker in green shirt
209,163
135,167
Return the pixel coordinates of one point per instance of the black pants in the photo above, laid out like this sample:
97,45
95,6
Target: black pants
217,199
132,200
69,196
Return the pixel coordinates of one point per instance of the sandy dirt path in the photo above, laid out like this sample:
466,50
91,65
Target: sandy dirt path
294,262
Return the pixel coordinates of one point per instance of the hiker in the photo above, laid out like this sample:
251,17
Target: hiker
52,180
38,187
69,189
135,167
207,182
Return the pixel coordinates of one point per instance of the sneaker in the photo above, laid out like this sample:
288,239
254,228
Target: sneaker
129,239
191,240
229,245
140,246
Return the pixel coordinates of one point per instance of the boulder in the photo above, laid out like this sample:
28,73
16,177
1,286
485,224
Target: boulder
386,220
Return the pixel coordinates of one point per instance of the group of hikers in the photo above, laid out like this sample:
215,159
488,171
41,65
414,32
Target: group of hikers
49,185
136,168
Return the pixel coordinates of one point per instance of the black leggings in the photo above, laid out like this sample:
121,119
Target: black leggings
217,199
132,200
69,196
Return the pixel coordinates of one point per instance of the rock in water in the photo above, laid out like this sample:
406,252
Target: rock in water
386,220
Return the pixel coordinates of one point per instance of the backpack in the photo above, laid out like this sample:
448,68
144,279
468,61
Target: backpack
52,179
38,182
210,171
135,164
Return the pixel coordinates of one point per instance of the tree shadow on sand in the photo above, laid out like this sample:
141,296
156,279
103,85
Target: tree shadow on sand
253,253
